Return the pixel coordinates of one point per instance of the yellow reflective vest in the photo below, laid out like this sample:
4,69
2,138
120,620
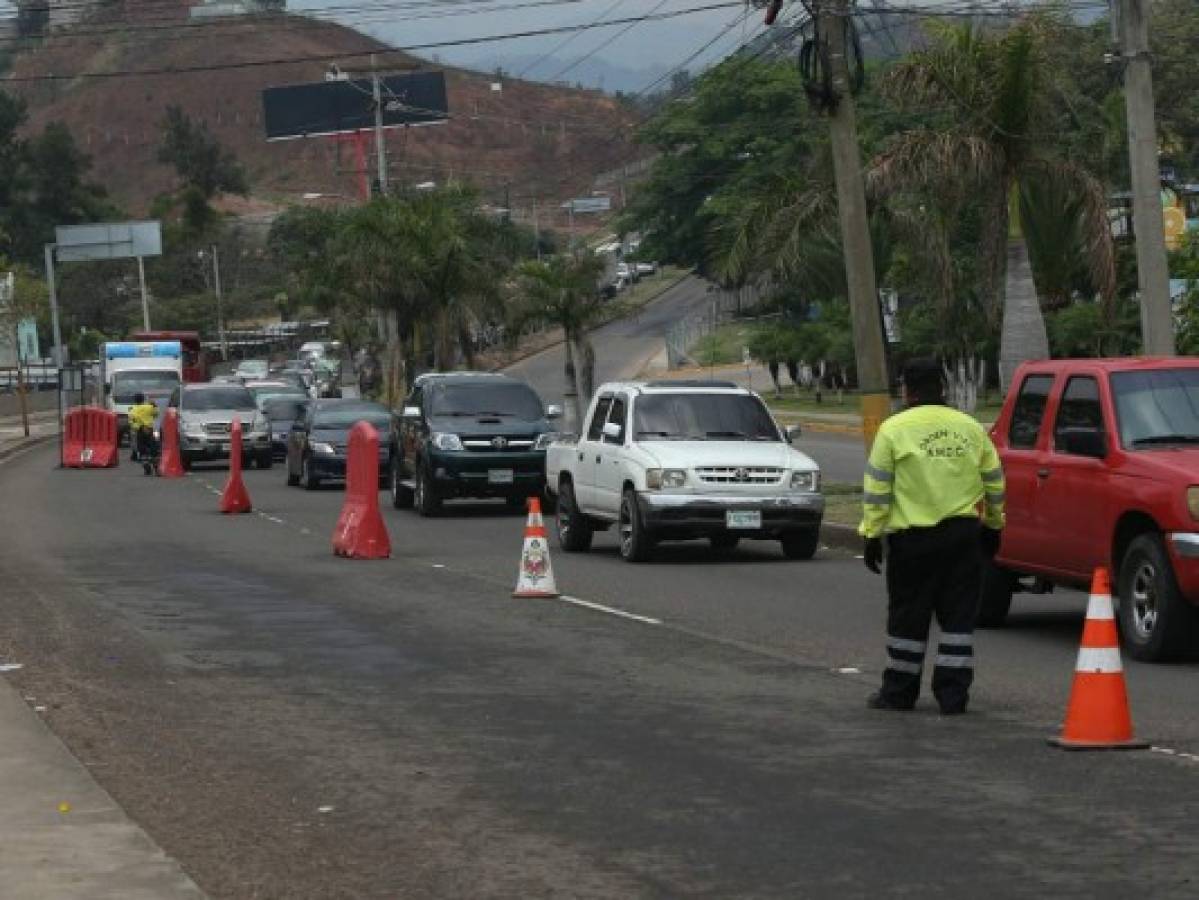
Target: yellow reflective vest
928,464
142,415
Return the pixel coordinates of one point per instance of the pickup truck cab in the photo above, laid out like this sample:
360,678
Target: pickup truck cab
680,460
1101,458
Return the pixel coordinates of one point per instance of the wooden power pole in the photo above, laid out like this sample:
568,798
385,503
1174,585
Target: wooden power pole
833,23
1153,274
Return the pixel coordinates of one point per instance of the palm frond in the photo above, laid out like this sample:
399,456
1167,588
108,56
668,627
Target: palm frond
925,158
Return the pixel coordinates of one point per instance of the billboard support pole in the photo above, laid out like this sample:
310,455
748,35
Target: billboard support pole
141,277
50,289
380,149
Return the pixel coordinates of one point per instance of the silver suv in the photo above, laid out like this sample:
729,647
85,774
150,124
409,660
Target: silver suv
206,413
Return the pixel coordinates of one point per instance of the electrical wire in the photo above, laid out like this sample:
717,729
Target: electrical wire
566,41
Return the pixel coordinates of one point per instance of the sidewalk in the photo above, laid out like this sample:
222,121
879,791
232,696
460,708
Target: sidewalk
42,427
62,837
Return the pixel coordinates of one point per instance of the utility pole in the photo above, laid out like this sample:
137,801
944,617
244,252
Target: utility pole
59,356
220,314
833,23
536,229
380,149
1153,275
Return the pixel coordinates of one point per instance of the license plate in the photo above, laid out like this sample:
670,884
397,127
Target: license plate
743,518
500,476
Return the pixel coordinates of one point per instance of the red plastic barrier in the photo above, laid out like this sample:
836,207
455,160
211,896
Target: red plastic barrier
74,438
235,498
103,439
170,464
89,438
360,532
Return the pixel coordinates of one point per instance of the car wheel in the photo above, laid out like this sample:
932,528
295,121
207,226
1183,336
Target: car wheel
1156,621
185,461
292,480
265,460
724,543
310,481
574,530
401,494
995,595
800,544
636,543
514,503
425,499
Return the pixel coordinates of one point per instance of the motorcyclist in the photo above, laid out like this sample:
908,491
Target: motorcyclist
142,416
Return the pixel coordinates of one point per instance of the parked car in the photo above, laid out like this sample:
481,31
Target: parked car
265,391
671,461
628,273
318,442
281,413
252,369
646,268
469,434
1101,458
206,413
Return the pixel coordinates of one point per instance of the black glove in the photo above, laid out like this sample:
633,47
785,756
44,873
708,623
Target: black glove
988,541
872,554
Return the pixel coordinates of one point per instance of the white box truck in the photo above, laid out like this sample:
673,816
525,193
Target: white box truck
129,368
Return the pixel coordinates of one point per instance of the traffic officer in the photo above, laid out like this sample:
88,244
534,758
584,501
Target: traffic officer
929,469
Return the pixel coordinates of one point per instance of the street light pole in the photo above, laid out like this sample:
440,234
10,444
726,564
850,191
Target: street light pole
50,289
220,315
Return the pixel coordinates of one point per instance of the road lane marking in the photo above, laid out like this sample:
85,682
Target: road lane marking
612,611
1180,754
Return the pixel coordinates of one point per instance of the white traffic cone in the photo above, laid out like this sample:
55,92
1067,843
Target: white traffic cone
536,575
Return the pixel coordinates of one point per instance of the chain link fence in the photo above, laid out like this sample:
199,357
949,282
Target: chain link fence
723,307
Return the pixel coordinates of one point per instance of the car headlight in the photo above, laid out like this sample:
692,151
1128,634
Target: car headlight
320,448
1193,502
656,479
805,481
444,441
544,440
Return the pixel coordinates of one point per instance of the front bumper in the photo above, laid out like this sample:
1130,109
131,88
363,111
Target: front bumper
334,467
470,474
698,515
210,449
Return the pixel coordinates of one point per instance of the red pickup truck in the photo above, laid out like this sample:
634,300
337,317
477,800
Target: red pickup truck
1101,458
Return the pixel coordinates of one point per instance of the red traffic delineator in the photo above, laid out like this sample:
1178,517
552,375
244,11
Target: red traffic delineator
90,438
1098,717
235,498
170,463
360,532
535,577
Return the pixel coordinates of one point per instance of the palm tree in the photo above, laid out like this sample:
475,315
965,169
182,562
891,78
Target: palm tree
564,290
1000,140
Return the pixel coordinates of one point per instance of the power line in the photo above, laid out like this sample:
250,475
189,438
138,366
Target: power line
566,41
586,56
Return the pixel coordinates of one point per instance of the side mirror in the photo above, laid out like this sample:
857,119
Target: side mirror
793,434
411,412
613,432
553,411
1090,442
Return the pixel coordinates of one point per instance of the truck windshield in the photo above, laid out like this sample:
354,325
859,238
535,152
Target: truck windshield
702,417
494,399
127,385
1157,407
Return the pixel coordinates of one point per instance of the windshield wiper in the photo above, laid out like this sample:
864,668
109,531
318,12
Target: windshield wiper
662,434
489,412
1168,439
740,435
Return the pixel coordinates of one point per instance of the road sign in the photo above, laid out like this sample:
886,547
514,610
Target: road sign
588,204
108,240
345,106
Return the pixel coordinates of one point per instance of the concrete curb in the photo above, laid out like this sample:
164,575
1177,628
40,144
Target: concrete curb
842,537
24,444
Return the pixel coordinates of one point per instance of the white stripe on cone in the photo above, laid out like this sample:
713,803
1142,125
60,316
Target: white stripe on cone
536,575
1099,660
1100,607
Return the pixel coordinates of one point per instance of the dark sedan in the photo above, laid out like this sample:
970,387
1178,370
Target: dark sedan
316,446
281,414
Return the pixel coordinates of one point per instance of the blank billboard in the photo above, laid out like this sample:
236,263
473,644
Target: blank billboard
339,107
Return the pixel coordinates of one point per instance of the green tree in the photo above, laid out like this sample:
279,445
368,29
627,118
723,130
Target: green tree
1002,139
203,166
563,290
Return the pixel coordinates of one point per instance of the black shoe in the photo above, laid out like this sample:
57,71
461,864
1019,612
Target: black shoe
956,710
878,701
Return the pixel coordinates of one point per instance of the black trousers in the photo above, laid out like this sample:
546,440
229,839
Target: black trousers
932,571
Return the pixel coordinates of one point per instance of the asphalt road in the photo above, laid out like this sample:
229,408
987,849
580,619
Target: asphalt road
289,724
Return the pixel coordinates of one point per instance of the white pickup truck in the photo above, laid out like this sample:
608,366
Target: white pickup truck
681,460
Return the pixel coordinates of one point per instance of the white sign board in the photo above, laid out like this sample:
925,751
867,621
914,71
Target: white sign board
589,204
108,240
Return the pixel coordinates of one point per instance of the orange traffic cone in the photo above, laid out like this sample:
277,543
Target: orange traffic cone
235,498
536,576
1098,717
